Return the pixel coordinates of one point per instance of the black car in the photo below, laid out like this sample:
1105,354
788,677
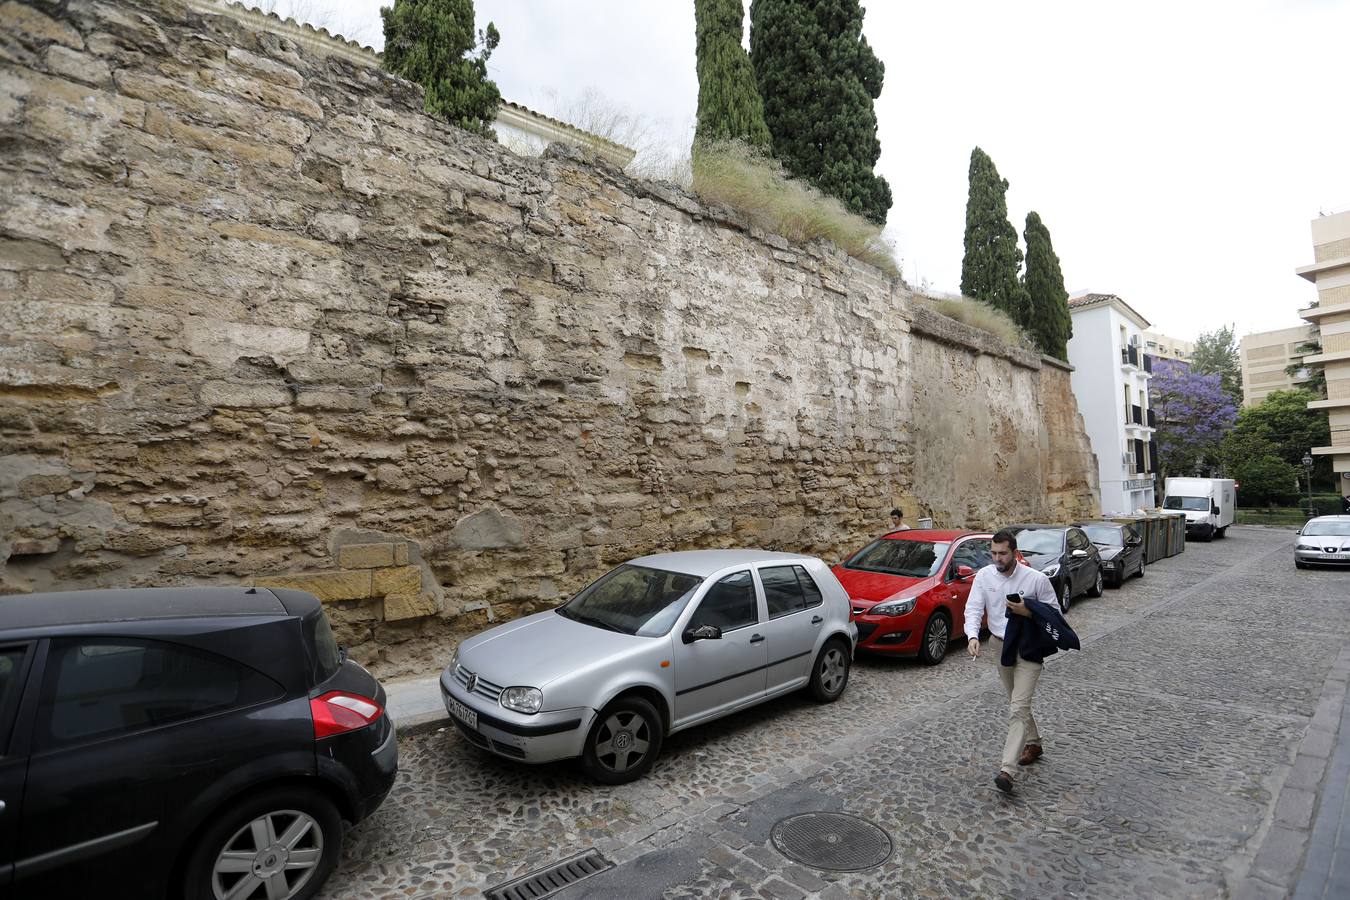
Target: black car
1121,547
194,743
1065,555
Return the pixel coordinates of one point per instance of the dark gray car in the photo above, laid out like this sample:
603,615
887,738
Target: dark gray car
1121,547
1067,557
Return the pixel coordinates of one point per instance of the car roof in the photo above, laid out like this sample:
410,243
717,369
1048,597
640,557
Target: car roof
705,562
1024,527
120,605
932,534
1336,518
1103,522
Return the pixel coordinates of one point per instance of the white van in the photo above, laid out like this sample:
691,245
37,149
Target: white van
1210,504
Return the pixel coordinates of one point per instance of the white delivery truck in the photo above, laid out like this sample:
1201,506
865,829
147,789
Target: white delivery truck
1210,504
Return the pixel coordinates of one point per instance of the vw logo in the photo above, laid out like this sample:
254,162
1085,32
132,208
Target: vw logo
471,683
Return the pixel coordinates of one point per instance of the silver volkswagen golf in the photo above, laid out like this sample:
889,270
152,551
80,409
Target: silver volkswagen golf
656,646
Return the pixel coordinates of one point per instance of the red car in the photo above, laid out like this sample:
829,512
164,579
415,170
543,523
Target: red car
908,590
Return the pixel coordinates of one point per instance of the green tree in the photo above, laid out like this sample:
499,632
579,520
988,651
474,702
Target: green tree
1283,421
729,107
818,78
1255,464
430,42
1216,353
1048,318
990,266
1316,372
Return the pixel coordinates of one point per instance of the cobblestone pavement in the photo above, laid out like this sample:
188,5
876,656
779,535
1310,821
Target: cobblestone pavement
1168,741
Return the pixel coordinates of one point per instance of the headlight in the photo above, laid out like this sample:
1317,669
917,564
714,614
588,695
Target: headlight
1051,570
894,607
525,700
1309,547
454,661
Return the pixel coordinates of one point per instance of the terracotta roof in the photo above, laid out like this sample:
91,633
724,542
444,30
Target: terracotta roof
1086,301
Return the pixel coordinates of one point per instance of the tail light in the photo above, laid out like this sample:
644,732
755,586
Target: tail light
338,712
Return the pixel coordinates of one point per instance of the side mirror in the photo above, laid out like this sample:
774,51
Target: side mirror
1214,508
702,633
964,572
1079,554
1133,542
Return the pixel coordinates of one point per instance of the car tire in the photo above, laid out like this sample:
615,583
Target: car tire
228,851
830,671
1096,589
937,637
1140,573
616,734
1062,596
1222,533
1299,564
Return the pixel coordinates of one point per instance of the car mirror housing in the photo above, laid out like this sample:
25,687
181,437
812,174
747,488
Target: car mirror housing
702,633
964,571
1079,554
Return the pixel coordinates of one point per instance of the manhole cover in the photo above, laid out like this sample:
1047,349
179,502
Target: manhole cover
833,841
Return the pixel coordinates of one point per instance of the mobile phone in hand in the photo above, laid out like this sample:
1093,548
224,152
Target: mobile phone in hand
1013,598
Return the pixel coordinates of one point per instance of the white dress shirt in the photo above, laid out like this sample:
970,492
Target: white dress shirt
989,593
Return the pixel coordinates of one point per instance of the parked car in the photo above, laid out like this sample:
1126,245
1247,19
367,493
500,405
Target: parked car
909,590
195,743
1121,548
1067,557
1323,541
655,646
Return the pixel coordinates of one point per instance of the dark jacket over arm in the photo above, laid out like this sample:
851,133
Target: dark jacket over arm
1035,638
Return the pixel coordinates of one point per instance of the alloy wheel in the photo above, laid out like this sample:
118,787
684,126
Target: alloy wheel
833,670
938,638
272,857
622,742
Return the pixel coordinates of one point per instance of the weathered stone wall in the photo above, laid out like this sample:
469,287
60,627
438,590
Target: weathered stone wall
268,322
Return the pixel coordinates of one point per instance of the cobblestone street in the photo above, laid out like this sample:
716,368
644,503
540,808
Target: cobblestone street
1170,738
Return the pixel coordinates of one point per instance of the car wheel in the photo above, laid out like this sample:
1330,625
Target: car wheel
937,637
1062,595
278,845
829,675
1096,589
1140,573
1222,532
1299,564
623,742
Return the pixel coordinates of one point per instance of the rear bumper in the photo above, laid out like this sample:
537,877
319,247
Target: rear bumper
363,764
545,737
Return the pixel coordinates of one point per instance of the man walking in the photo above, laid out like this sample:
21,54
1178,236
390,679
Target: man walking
994,584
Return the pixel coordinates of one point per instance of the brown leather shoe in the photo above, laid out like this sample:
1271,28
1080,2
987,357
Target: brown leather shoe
1003,781
1030,753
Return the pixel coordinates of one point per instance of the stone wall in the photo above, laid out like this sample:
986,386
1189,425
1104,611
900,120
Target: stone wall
267,322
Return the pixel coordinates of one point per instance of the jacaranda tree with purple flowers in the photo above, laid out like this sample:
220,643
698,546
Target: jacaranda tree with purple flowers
1193,412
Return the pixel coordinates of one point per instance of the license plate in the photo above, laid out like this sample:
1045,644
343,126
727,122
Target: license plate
463,713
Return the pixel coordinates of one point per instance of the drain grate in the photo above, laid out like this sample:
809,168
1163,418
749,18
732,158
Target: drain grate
832,841
549,881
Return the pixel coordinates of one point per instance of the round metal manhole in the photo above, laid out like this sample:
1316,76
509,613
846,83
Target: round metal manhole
832,841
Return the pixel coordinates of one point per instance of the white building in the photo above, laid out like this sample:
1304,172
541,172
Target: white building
1110,381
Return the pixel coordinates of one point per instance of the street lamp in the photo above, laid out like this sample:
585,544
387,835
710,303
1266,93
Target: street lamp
1308,466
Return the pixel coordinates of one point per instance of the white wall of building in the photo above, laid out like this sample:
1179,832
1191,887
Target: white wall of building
1099,384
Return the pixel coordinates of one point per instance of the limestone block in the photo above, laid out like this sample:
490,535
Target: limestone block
408,606
487,529
402,592
33,25
327,586
267,69
244,396
367,556
223,342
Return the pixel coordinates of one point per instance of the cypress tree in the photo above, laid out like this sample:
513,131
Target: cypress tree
729,107
989,269
818,78
1049,322
429,42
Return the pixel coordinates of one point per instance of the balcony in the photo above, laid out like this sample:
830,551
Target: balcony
1129,356
1148,363
1135,416
1152,419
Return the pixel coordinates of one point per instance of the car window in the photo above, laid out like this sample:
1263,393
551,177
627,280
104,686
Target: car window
633,599
975,553
11,668
899,556
1049,541
810,590
788,589
1077,540
327,654
729,604
104,687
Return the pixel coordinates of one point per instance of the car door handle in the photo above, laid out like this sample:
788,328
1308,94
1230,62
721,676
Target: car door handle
756,638
816,620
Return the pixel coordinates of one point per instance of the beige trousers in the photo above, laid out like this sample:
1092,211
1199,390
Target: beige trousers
1020,683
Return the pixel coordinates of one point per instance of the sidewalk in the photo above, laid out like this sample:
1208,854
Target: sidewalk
415,703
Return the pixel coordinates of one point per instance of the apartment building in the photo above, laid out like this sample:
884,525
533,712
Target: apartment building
1159,345
1110,381
1264,358
1330,315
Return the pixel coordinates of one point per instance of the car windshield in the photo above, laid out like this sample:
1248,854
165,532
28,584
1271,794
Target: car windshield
1107,535
633,600
1195,504
912,559
1040,540
1327,529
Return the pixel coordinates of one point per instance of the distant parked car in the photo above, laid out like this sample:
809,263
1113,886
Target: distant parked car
1121,547
655,646
1323,541
198,743
1066,556
909,589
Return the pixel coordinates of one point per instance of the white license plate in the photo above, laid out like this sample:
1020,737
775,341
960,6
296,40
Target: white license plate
463,713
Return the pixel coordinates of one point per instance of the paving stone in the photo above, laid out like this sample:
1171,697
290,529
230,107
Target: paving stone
1280,854
1307,772
1295,807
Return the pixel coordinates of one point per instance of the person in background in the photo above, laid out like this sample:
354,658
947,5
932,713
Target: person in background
898,520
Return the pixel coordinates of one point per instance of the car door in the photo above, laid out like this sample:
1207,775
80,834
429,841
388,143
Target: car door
15,663
1083,568
795,609
714,676
129,731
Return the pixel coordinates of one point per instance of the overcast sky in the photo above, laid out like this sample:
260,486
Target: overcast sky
1176,149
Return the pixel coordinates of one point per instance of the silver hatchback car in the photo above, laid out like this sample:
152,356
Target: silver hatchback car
656,646
1323,541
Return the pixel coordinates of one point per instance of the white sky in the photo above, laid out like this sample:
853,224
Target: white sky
1176,149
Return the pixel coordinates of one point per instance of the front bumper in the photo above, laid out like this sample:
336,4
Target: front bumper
887,634
545,737
1320,557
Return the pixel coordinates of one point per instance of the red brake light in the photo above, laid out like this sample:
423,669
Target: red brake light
337,712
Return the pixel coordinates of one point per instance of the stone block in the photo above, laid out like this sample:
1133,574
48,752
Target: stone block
244,396
367,556
402,591
327,586
400,554
28,23
488,529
